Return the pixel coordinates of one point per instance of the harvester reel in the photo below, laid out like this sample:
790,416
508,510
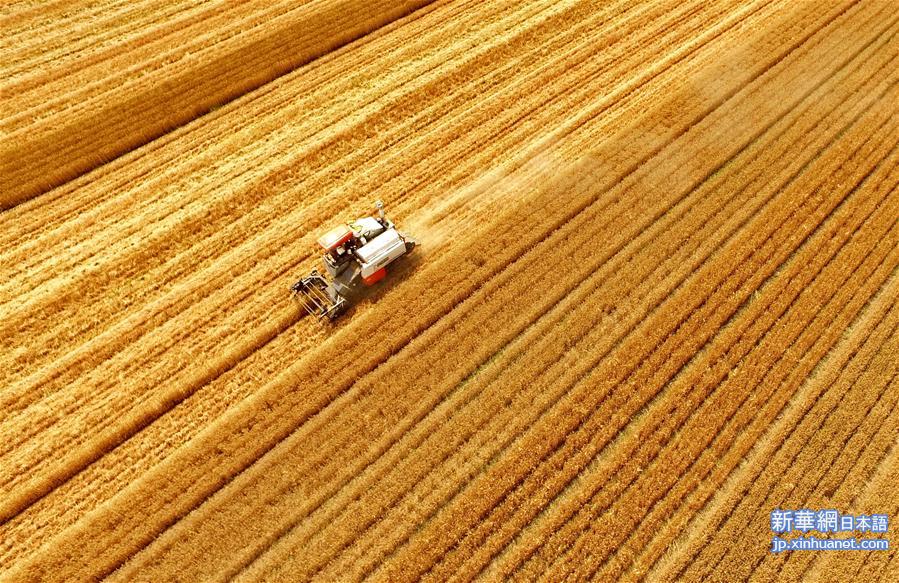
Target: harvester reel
314,296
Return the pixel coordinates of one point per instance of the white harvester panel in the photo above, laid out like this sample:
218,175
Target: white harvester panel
366,226
380,251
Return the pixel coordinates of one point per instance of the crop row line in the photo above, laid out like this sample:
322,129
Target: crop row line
877,494
771,186
747,567
869,317
710,410
808,428
270,114
70,205
649,432
212,79
876,420
280,230
567,326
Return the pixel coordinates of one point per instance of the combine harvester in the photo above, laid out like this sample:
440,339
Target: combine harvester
356,256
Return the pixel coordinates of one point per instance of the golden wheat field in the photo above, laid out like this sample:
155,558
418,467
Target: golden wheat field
653,309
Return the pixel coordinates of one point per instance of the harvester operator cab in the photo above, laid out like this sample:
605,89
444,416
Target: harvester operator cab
338,244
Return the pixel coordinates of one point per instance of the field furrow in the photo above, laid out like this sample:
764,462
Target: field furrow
867,330
876,492
542,354
653,297
66,123
56,408
268,484
129,324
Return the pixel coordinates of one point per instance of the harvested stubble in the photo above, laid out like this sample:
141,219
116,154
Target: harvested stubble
444,527
132,358
101,284
575,398
64,370
441,442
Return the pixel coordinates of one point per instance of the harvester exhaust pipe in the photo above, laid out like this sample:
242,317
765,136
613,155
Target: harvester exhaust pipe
380,206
